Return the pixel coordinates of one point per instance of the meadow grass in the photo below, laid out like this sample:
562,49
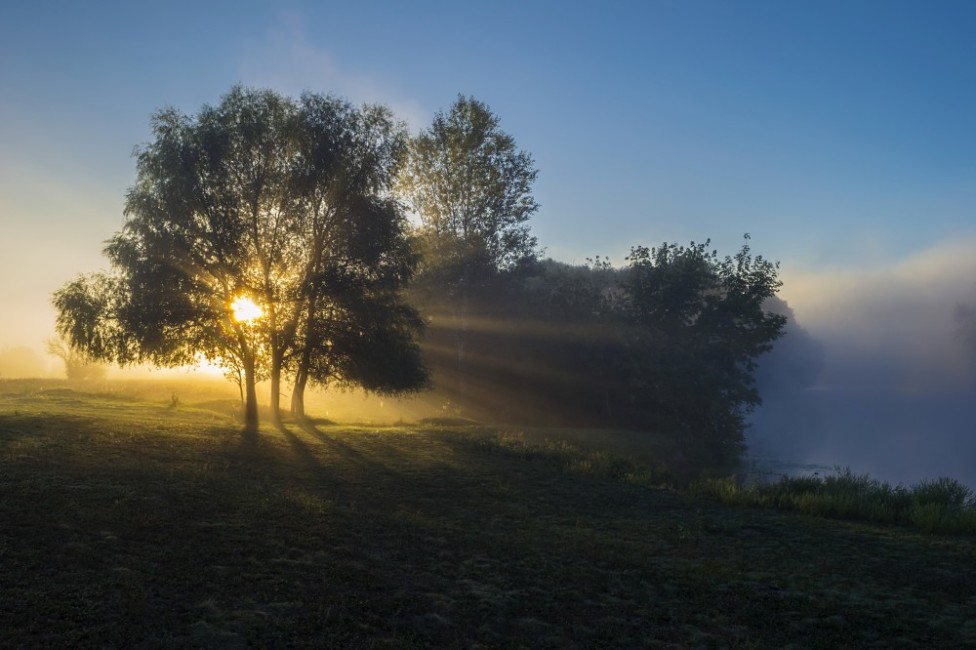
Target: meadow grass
130,521
942,505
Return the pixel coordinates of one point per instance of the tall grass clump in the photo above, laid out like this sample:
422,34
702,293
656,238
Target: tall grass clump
943,505
944,492
940,506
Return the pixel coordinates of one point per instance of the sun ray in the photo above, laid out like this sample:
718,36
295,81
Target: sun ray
245,310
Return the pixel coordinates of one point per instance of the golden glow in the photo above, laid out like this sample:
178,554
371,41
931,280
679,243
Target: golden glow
245,310
207,367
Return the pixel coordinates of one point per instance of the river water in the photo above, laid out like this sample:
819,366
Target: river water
897,437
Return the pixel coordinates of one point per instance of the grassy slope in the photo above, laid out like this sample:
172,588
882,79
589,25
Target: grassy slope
129,524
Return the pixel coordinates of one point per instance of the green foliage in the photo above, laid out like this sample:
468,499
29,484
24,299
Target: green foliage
698,325
86,317
291,203
284,202
471,187
940,506
381,354
668,344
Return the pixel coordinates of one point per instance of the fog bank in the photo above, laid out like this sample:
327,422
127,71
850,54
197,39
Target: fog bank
873,373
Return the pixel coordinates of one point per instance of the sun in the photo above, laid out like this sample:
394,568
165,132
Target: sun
245,310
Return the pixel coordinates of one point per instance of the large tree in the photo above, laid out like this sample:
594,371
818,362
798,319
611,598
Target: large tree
696,325
354,253
239,217
471,188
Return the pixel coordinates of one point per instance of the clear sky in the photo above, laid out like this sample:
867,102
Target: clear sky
840,134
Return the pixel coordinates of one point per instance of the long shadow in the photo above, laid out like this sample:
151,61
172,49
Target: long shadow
301,449
248,450
250,442
344,450
253,448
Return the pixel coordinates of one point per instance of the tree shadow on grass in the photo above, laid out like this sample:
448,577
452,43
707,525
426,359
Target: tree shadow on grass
346,451
378,460
250,441
301,449
308,448
248,450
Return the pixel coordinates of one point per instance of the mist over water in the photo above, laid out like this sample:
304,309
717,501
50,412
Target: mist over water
874,375
895,437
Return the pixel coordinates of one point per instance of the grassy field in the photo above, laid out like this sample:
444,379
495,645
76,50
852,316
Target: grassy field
128,521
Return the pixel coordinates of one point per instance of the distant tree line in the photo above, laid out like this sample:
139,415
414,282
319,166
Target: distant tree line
668,342
299,207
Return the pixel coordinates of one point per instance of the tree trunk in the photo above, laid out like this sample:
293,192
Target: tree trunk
251,401
298,392
276,360
301,374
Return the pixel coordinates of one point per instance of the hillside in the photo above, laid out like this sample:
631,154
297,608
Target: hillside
136,522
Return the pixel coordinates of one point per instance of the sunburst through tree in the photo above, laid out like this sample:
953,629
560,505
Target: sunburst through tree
257,231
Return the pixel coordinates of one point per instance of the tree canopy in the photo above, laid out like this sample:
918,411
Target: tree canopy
267,234
471,188
280,202
699,324
669,342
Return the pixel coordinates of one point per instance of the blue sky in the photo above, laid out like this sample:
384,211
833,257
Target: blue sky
839,134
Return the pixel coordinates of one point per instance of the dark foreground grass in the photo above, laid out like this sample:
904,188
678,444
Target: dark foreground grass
132,524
